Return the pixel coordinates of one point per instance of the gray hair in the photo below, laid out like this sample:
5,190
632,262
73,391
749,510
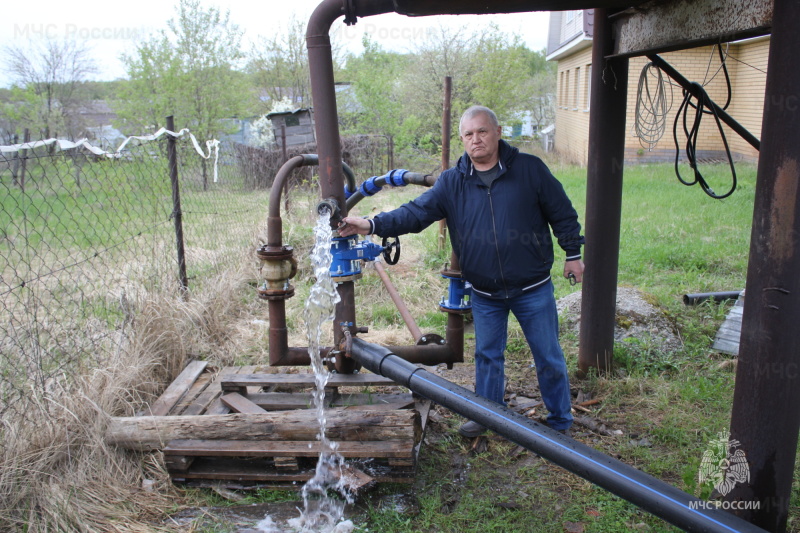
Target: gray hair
476,110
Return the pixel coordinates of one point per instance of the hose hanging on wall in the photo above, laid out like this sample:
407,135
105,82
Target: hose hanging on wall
702,105
652,106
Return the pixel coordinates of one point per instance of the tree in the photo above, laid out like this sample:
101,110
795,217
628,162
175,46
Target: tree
189,70
372,106
48,78
279,67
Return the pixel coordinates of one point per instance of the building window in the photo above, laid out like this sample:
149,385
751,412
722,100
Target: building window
588,90
569,15
576,95
292,120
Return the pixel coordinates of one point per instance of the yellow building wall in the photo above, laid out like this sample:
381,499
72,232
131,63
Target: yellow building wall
746,64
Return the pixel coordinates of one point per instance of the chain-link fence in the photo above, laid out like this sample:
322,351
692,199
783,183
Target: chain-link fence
84,237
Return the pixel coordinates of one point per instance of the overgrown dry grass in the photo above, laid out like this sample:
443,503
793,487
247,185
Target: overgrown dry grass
57,473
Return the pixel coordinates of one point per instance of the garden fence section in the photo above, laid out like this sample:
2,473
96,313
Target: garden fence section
85,238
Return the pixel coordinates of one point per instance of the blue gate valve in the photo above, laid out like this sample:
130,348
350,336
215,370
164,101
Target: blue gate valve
347,256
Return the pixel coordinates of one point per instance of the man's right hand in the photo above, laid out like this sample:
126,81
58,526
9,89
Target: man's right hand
352,225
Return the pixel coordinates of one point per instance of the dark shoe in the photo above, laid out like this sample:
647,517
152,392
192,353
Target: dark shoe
471,429
567,432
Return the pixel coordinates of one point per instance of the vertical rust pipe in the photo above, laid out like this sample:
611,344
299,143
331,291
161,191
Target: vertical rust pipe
344,317
326,120
329,150
446,131
446,122
320,63
279,351
603,198
765,419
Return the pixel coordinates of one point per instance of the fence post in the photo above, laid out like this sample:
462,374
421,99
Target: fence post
15,164
24,156
172,156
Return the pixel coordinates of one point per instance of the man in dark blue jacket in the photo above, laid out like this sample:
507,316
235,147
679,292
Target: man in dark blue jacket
500,205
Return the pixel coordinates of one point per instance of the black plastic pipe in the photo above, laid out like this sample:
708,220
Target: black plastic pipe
647,492
700,297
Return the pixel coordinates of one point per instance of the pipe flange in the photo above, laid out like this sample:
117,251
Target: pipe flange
455,311
448,273
342,279
274,253
431,338
275,294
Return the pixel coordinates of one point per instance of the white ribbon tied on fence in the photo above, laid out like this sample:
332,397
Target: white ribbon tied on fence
211,145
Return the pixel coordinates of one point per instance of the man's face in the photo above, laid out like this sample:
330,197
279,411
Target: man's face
480,139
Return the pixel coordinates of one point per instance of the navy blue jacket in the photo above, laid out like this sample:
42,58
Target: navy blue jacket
500,235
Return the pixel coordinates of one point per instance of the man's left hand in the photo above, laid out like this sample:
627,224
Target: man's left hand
574,268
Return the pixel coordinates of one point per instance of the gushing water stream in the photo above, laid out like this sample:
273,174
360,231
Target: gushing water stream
325,495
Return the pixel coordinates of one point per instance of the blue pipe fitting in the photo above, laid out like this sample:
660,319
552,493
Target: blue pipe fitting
396,178
348,254
458,295
370,187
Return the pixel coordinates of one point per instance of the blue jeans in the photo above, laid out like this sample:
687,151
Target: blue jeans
536,313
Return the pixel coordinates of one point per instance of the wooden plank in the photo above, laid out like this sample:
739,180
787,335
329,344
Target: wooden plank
384,406
193,393
260,448
202,402
176,389
216,407
280,401
178,462
152,432
261,470
286,463
236,381
240,404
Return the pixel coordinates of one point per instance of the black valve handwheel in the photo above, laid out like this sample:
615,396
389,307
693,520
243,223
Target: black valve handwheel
391,259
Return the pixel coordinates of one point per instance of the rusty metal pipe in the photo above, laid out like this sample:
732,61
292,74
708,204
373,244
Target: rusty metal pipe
280,354
320,64
425,354
398,302
326,120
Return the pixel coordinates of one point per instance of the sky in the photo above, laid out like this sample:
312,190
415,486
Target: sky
110,29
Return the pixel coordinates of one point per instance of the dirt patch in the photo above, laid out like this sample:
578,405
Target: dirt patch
636,319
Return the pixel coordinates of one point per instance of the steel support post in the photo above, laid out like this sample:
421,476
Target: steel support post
765,418
603,198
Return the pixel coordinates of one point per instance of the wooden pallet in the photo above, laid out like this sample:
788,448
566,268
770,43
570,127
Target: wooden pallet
256,426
